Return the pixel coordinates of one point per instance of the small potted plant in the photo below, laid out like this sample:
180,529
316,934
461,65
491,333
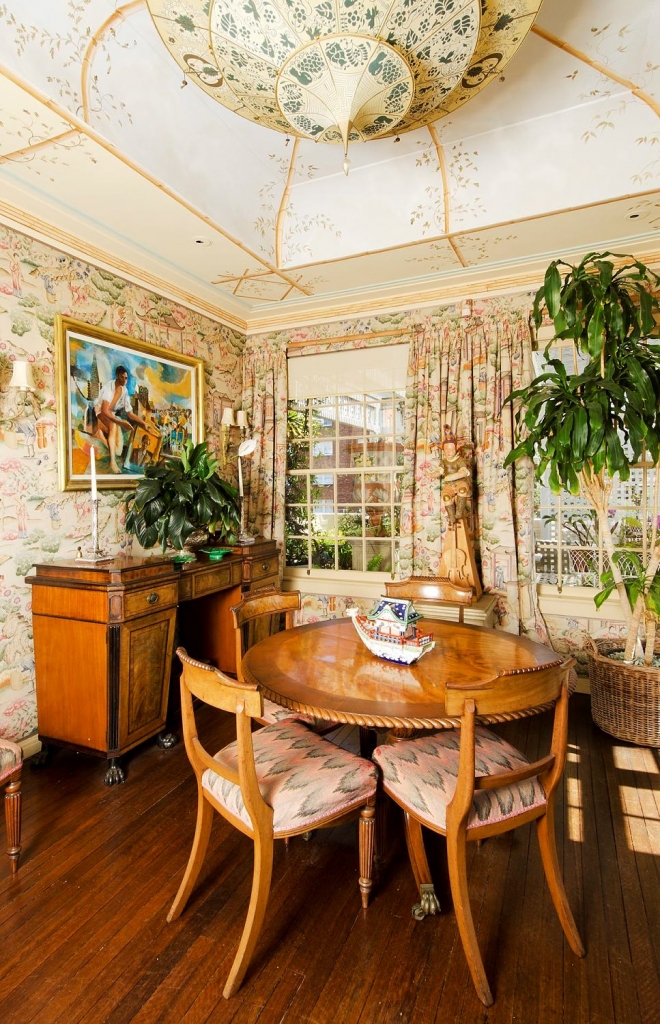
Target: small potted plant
585,429
178,498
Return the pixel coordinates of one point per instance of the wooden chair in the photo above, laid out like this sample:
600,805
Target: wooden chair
279,781
11,764
472,784
256,617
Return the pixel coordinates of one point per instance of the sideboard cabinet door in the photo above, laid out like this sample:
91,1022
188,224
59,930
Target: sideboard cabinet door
140,677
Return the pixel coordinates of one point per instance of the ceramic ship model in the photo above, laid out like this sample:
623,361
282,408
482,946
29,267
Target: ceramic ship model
390,631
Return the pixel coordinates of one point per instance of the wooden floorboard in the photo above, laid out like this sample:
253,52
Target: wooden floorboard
84,937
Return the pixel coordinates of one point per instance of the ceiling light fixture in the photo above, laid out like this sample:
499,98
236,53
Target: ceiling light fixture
342,73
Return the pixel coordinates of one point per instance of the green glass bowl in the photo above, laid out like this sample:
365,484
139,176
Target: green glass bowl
215,554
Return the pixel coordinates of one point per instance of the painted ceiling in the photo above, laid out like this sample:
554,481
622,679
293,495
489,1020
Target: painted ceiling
110,149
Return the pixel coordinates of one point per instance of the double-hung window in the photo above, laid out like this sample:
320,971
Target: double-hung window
569,546
345,460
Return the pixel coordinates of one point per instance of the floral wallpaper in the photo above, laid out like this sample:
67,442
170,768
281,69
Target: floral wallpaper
500,525
37,522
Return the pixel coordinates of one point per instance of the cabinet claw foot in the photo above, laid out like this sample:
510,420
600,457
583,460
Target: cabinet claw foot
428,902
166,740
114,774
42,759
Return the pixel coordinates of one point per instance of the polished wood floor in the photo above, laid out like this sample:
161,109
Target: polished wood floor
83,936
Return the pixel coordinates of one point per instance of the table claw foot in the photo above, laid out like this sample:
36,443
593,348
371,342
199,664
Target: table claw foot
114,775
166,740
428,902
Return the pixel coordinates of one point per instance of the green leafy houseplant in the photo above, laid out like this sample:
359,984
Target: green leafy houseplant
584,429
176,497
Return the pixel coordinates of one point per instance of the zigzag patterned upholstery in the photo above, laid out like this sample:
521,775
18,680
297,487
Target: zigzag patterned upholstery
422,775
469,783
11,763
299,774
275,782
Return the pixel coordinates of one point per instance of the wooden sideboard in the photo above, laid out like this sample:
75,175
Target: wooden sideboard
104,636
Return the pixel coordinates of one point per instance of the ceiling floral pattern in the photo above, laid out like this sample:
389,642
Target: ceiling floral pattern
109,145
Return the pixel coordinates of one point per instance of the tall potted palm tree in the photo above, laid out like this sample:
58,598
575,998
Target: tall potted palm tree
586,429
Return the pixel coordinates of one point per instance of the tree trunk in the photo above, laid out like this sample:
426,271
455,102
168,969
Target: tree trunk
650,641
640,605
597,493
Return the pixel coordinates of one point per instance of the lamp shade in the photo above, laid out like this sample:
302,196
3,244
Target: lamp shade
228,418
241,419
21,376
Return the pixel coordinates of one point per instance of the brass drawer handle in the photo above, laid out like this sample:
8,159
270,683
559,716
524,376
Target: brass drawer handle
153,598
265,566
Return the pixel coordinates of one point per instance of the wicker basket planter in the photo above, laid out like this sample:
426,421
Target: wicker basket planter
625,699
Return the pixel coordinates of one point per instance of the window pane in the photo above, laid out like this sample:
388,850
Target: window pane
351,416
323,454
296,552
324,417
379,451
349,521
379,556
297,455
349,487
344,450
295,489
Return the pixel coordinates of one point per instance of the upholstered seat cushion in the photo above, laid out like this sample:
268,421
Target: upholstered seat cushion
275,713
303,777
421,774
11,756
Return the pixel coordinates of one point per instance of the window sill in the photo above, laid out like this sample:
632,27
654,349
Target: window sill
578,602
336,583
572,602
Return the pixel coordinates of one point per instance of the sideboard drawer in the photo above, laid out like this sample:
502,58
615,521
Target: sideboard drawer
217,579
139,602
261,569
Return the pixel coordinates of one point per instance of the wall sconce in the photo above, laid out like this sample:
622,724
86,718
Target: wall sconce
231,418
22,406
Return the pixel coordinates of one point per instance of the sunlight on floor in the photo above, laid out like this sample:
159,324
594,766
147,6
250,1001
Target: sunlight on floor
573,795
640,804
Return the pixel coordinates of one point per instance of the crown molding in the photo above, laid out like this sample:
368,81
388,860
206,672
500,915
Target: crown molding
50,234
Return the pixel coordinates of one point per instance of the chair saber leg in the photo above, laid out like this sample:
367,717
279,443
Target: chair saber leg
197,854
545,830
457,864
263,871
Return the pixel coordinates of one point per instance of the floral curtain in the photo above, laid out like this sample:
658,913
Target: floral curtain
265,400
460,371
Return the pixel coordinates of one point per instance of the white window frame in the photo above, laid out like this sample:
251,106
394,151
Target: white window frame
344,580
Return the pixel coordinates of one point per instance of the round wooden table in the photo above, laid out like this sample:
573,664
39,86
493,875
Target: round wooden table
323,669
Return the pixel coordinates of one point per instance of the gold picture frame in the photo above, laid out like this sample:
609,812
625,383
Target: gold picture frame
148,412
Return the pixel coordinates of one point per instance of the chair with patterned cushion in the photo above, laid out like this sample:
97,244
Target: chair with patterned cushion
279,781
11,764
257,616
470,783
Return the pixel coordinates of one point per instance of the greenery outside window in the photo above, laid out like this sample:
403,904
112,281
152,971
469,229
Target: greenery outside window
343,482
569,547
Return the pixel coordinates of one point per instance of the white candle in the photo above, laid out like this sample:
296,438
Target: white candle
93,470
240,478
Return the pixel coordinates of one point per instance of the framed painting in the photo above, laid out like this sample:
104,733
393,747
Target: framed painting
131,402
